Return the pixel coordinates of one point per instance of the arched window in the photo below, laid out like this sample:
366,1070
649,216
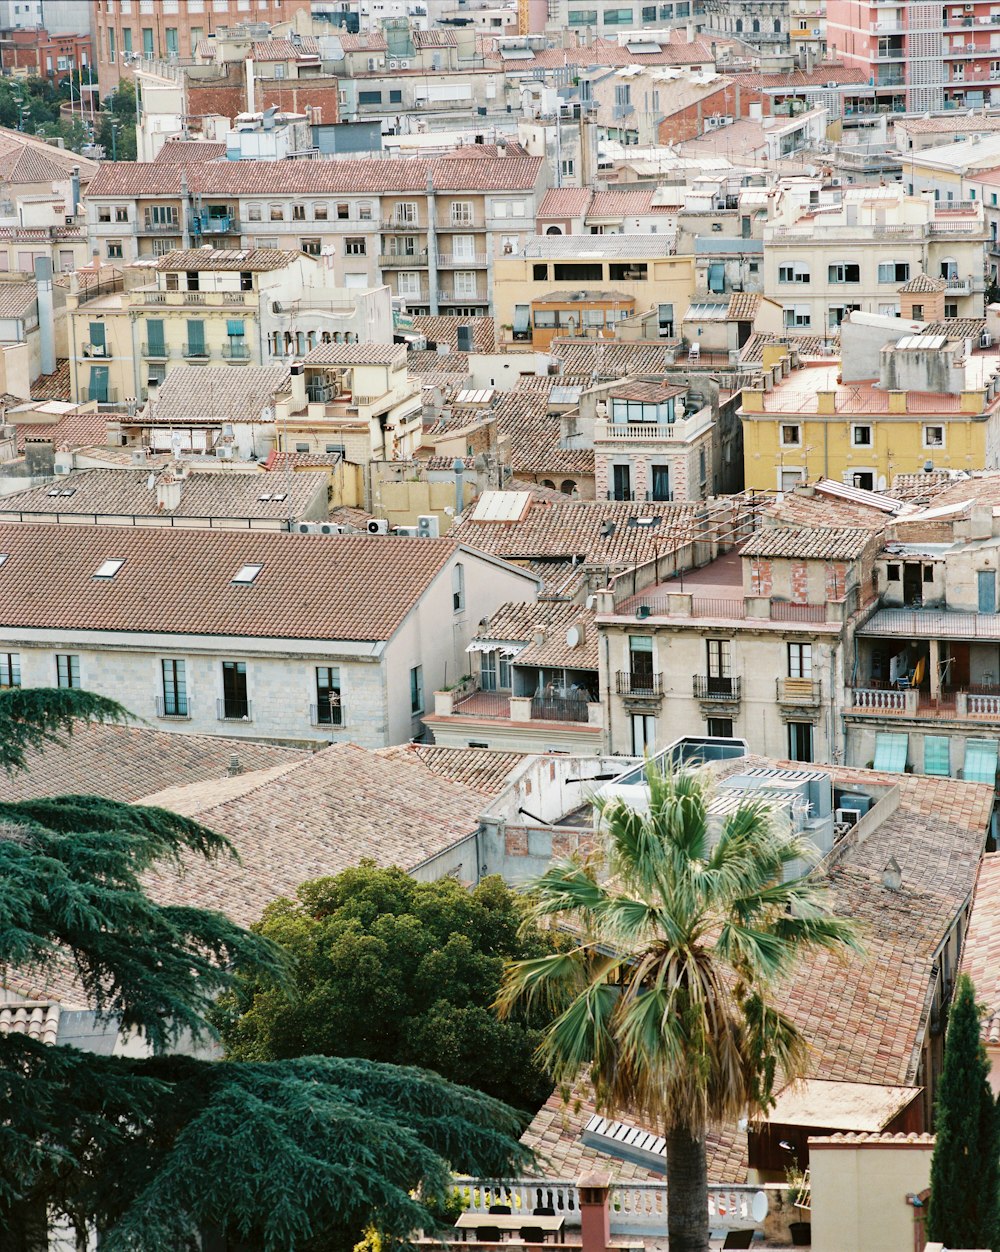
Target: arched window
568,487
739,26
554,230
756,26
777,25
547,482
949,267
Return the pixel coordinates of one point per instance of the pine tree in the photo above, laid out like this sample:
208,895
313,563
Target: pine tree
965,1170
292,1155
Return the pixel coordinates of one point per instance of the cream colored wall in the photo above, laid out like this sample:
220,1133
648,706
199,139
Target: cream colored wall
859,1194
403,502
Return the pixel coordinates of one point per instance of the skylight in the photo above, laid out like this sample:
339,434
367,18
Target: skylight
246,574
4,556
110,567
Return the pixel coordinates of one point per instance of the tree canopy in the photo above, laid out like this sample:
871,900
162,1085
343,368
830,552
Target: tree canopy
397,970
296,1155
665,1001
965,1169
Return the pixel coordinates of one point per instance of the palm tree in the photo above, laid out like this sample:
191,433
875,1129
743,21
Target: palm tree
663,995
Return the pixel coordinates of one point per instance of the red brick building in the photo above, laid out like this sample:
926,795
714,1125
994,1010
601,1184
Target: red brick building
39,54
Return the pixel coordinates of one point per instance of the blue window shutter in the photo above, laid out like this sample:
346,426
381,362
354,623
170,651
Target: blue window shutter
890,752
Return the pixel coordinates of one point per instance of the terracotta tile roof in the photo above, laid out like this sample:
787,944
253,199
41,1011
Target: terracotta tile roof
38,1020
923,284
963,124
445,330
476,768
17,299
956,327
214,393
535,435
231,494
307,49
357,519
921,488
819,544
75,430
301,460
520,623
640,389
126,762
621,202
434,39
368,41
872,1137
577,528
356,354
743,306
25,159
237,259
798,510
189,151
54,386
809,346
981,951
817,78
316,819
362,175
180,581
565,202
609,359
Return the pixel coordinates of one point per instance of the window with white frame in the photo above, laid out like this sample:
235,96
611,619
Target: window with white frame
894,272
793,272
933,436
791,436
408,283
406,211
861,436
465,284
800,663
797,315
461,212
253,213
844,272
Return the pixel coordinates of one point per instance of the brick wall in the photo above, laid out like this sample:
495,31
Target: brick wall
293,96
732,100
800,582
761,577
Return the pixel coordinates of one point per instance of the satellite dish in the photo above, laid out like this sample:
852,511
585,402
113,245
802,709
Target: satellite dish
573,637
758,1206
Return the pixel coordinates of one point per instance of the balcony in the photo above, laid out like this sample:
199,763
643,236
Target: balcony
205,225
453,297
958,287
235,352
401,225
217,299
639,686
149,227
327,714
234,710
572,708
177,709
195,352
801,692
475,224
725,690
478,261
403,260
156,351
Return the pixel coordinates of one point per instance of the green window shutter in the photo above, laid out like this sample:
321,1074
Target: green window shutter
234,326
154,335
936,755
98,389
980,761
196,336
97,334
890,752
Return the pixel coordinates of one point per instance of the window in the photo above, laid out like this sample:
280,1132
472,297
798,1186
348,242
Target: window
354,245
246,280
800,741
458,588
115,251
111,45
791,436
494,671
640,663
369,97
193,280
893,272
918,312
298,212
364,211
797,315
461,212
253,213
110,567
408,283
417,690
10,669
794,272
581,17
951,309
465,284
933,436
147,41
719,727
234,705
621,478
246,574
892,573
67,671
175,700
800,661
311,247
861,436
719,661
121,213
195,339
276,213
329,709
661,482
395,96
172,45
343,212
846,272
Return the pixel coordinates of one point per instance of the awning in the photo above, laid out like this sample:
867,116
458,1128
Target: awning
936,756
494,645
980,761
522,316
890,752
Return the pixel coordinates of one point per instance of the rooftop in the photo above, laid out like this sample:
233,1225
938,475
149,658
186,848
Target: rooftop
357,354
543,630
216,394
236,259
981,950
858,1106
817,544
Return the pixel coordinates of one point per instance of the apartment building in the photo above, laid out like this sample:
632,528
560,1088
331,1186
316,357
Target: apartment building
286,637
203,306
905,394
615,276
432,231
821,263
762,24
920,56
609,17
128,32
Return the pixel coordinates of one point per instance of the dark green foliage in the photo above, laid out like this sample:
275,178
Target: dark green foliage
31,717
396,970
119,116
301,1156
965,1170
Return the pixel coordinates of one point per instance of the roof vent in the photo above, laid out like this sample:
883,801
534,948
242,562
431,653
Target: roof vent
235,768
892,875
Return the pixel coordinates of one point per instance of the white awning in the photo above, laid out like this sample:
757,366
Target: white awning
496,645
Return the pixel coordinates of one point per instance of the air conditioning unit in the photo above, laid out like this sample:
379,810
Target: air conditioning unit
372,63
846,817
276,307
393,64
985,340
319,528
404,65
429,526
378,526
407,532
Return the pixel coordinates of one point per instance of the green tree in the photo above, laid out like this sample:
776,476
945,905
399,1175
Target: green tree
965,1169
294,1155
392,969
664,999
118,116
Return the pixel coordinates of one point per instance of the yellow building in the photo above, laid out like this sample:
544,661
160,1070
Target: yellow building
932,400
635,268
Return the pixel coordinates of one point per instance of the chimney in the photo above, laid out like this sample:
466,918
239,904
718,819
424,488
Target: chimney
298,374
595,1220
168,490
892,875
235,768
46,317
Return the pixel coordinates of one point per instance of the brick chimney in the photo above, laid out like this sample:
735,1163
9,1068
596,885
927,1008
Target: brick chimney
595,1219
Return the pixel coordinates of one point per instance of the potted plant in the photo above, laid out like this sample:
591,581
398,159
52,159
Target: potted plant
798,1196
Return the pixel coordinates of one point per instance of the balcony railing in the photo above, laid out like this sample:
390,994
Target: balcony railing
560,708
228,225
326,715
453,297
178,708
488,704
402,260
156,351
234,710
645,686
479,261
196,351
985,706
803,691
149,227
399,224
883,700
728,690
236,352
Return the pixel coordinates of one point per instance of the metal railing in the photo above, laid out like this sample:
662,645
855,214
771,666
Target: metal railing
629,684
484,704
326,715
234,710
236,352
179,707
728,690
150,227
156,352
712,606
784,611
560,708
402,261
197,351
445,262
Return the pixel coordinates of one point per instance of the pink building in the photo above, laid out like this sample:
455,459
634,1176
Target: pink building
920,56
